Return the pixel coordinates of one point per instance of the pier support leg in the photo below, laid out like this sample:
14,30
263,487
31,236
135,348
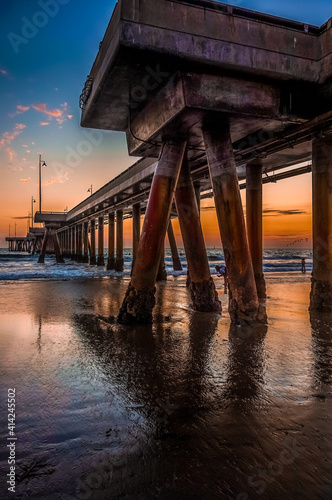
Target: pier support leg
85,243
42,254
119,241
57,248
140,297
321,286
101,261
111,252
162,274
73,246
254,215
202,289
93,261
79,249
172,243
136,230
243,299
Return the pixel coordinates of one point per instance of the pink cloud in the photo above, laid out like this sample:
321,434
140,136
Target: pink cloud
54,180
43,124
3,72
70,117
22,108
25,181
43,109
8,137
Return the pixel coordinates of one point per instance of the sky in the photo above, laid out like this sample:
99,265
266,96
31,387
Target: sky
47,50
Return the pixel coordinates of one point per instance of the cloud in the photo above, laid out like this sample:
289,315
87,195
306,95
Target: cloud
8,137
3,72
25,181
54,180
43,109
60,114
43,124
275,213
10,155
19,110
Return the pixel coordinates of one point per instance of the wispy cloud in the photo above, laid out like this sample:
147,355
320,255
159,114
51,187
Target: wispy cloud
54,180
19,110
276,213
8,137
43,109
3,72
43,124
25,181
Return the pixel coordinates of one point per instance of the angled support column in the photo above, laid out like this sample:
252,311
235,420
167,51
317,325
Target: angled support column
162,274
172,243
111,233
101,261
243,299
57,248
202,289
197,187
321,284
93,261
140,297
119,241
254,216
136,229
85,243
42,254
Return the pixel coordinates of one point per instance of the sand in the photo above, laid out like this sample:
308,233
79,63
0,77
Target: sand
188,408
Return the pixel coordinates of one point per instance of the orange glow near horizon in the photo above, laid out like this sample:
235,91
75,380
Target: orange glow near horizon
286,221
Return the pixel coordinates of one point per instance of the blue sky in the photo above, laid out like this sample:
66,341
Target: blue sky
40,83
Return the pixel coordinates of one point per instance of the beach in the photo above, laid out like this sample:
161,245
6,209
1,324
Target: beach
187,408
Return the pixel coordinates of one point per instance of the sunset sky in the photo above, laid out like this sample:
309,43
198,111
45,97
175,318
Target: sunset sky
42,73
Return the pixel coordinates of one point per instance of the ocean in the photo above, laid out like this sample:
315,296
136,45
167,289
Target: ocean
22,266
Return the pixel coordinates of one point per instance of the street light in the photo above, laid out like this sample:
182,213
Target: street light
90,190
9,229
15,229
32,202
41,163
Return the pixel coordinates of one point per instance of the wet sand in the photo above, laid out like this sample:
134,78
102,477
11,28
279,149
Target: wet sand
188,408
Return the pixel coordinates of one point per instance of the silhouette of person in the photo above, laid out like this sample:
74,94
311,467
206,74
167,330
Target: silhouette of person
222,271
303,265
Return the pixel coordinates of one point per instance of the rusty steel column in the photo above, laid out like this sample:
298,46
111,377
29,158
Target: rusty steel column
254,217
321,283
243,299
119,241
101,261
140,297
201,286
93,261
172,243
111,253
162,274
85,243
136,229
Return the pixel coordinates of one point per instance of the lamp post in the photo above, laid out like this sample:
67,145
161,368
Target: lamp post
41,163
32,202
15,229
90,190
9,230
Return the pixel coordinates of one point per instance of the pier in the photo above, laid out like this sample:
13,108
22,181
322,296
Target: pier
213,99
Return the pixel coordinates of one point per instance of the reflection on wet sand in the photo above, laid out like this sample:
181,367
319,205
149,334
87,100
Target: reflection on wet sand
188,408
